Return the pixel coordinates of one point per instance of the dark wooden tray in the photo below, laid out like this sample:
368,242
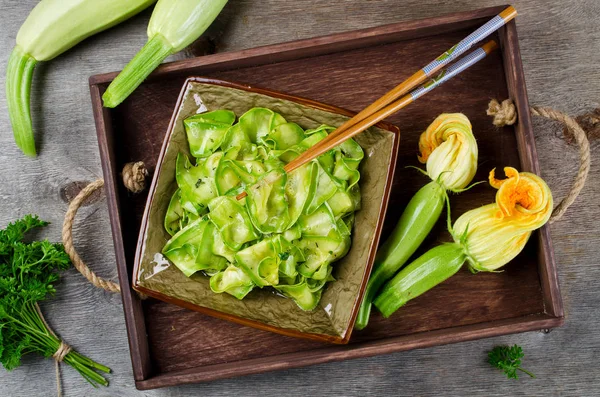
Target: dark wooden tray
170,345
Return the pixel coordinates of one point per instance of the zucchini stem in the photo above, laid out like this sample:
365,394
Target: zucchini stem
135,72
19,75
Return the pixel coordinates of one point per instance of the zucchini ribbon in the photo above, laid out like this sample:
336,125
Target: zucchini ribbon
289,229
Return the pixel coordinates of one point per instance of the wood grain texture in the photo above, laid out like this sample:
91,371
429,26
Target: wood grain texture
559,46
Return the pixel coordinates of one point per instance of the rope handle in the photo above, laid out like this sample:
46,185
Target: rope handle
505,113
67,237
134,179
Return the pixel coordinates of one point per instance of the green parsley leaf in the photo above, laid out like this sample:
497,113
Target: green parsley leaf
508,359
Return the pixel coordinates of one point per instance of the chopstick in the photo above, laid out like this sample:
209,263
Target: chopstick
417,78
393,107
385,105
384,112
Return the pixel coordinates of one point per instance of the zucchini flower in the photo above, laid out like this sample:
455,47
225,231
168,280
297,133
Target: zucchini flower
450,151
494,234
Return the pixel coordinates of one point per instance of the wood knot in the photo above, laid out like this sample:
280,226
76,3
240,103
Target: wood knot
201,47
590,122
134,176
69,191
504,113
210,40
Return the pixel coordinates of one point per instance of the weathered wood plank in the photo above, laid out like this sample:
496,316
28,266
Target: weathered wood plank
560,48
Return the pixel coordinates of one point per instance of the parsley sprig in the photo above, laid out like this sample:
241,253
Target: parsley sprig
508,359
28,272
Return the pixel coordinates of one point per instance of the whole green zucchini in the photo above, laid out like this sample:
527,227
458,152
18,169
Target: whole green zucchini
430,269
51,28
174,25
417,220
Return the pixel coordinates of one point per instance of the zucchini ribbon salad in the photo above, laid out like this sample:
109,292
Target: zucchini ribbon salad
289,229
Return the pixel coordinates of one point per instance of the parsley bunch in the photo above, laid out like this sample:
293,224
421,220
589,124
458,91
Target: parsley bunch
508,359
28,272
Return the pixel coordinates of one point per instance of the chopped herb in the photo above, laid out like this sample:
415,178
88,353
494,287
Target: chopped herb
330,252
284,255
199,182
205,218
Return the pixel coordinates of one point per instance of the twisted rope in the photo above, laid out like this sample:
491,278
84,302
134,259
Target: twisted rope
506,114
59,355
134,176
67,236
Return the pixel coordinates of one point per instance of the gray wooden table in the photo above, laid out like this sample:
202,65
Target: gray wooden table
560,43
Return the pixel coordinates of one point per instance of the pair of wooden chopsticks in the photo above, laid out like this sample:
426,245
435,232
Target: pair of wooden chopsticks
401,95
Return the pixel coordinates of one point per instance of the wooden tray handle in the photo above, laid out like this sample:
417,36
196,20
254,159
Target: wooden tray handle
505,113
67,237
134,178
